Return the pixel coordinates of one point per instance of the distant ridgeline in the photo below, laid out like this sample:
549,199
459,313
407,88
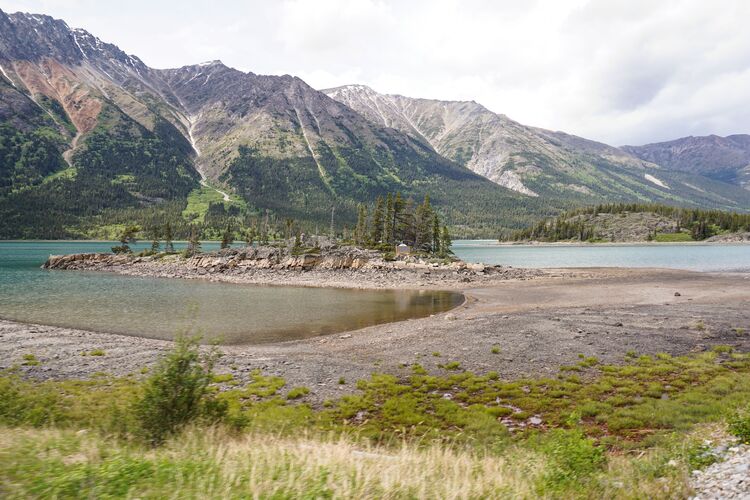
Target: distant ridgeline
633,222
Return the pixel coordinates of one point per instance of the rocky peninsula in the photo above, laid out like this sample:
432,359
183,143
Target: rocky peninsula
334,266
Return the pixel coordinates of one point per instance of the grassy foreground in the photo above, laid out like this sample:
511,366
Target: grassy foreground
619,431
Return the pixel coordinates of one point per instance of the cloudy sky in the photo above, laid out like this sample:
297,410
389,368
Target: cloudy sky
623,72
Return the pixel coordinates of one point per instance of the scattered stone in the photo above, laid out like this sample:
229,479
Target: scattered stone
345,336
728,478
677,294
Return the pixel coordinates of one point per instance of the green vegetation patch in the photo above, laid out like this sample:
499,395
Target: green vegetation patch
583,432
200,200
673,237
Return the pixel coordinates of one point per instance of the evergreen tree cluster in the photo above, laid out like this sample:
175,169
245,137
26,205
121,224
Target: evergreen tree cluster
701,224
396,220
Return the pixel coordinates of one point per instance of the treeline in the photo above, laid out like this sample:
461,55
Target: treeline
699,223
390,221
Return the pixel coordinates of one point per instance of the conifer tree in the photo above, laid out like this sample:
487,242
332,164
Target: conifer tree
228,237
378,215
405,229
289,227
445,243
436,242
250,235
423,225
194,242
154,238
389,220
398,208
127,238
168,244
360,232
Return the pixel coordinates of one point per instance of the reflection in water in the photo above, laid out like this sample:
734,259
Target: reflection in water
163,308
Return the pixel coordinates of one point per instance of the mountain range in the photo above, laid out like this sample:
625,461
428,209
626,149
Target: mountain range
91,137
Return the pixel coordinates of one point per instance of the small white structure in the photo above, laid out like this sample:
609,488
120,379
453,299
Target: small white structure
403,249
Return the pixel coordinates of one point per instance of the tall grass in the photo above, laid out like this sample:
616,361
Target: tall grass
212,463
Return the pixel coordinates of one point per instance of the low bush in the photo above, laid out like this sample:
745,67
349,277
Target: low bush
739,424
298,392
177,393
30,360
572,458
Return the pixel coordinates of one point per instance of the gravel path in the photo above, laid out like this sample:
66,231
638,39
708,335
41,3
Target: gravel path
727,479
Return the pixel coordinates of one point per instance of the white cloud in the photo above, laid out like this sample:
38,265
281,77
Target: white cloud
621,71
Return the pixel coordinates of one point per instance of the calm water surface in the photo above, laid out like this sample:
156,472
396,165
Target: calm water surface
696,257
162,308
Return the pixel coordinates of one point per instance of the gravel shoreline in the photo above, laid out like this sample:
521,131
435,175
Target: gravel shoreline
539,324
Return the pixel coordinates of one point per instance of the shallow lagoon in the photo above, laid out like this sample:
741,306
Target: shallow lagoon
162,308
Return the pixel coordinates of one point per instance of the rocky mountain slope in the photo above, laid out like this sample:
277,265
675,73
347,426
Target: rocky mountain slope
91,137
533,161
725,159
280,144
122,138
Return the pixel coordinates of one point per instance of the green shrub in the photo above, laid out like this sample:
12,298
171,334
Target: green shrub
298,392
97,352
221,378
453,365
739,424
177,393
572,457
30,360
495,350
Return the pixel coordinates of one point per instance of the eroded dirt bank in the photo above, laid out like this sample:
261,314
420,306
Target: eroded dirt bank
537,326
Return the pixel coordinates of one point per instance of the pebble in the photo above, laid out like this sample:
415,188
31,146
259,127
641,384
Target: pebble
728,479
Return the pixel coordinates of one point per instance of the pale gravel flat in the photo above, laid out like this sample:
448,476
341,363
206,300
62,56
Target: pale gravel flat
727,479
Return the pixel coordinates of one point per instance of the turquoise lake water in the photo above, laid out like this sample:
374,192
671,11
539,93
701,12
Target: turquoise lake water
163,308
696,257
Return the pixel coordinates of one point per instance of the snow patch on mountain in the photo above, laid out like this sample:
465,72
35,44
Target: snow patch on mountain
2,70
656,181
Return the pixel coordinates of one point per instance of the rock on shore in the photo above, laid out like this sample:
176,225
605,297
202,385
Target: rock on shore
340,266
